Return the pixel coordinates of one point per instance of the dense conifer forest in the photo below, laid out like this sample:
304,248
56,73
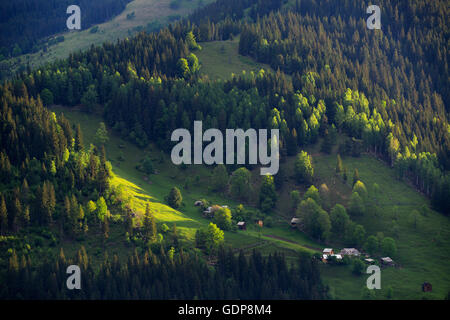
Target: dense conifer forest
24,23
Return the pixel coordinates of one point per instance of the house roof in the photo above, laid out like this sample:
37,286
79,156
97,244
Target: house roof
326,250
350,251
295,220
241,223
386,259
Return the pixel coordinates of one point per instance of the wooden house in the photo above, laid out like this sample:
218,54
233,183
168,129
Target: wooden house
241,225
427,287
387,261
294,222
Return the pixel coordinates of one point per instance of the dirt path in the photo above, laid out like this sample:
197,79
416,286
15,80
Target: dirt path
291,241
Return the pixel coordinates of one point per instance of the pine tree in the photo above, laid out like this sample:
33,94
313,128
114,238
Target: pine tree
149,224
78,139
175,199
105,228
3,217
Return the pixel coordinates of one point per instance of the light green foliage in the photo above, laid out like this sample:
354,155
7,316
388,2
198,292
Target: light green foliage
222,218
183,67
304,170
193,64
361,189
102,209
312,193
191,42
209,238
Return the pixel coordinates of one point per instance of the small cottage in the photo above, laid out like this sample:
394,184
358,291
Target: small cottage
295,222
198,203
427,287
350,252
241,225
387,261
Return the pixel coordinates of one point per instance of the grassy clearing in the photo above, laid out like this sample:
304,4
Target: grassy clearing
220,59
188,218
420,257
146,11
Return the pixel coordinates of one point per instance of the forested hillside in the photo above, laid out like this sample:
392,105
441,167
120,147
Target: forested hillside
409,130
338,89
23,23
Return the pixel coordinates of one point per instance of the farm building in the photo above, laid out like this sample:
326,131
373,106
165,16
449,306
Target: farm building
326,257
327,251
209,212
350,252
294,222
427,287
387,261
241,225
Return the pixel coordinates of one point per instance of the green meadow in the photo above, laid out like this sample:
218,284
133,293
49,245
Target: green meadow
421,257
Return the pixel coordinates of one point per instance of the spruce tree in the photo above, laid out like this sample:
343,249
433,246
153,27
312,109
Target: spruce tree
3,217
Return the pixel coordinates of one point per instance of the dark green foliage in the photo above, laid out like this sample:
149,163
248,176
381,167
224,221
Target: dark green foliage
175,199
160,277
388,247
47,97
23,24
267,194
240,183
358,267
220,178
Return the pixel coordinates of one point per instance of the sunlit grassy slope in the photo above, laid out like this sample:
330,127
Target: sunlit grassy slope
146,11
419,258
153,191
